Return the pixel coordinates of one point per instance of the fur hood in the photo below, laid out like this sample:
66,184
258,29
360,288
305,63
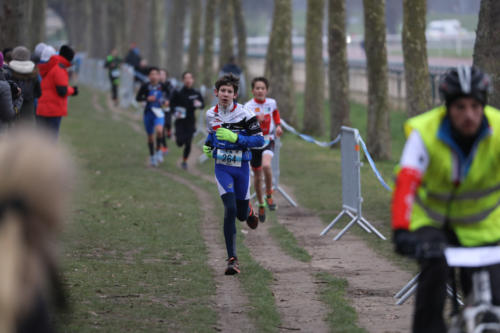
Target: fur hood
22,67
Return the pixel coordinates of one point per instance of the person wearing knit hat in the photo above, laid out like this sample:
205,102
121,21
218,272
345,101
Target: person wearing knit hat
22,71
53,105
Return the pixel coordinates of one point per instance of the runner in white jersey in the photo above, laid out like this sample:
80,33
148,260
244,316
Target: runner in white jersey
232,131
268,115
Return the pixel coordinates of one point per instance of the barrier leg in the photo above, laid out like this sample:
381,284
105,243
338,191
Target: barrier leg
360,223
286,196
343,231
373,228
449,290
407,295
332,223
407,286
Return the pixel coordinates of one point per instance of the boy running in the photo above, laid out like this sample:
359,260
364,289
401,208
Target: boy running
154,118
233,130
268,115
184,103
168,89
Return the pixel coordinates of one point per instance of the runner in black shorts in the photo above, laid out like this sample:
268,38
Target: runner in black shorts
268,115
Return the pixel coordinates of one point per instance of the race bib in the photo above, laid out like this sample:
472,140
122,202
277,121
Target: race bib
115,73
229,157
158,112
180,112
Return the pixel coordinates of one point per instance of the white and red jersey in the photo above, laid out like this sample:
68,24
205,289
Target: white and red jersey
267,113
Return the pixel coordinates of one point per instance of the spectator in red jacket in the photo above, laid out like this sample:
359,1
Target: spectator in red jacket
53,104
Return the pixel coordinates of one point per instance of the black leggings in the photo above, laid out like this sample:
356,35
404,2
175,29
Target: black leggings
186,141
233,209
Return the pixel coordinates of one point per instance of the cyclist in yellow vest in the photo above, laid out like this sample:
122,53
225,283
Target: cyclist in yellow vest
448,188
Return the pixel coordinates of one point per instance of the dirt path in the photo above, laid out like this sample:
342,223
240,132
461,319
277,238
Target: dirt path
231,304
373,280
294,289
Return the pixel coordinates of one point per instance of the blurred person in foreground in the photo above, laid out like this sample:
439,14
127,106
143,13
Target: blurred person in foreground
36,176
53,104
447,189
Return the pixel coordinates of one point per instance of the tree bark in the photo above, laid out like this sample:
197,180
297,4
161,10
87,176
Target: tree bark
487,46
175,39
158,29
208,48
38,22
117,26
418,88
378,138
279,61
11,13
226,33
241,34
139,26
99,44
338,72
315,83
194,38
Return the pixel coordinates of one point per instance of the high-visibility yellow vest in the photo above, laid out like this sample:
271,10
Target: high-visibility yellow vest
473,206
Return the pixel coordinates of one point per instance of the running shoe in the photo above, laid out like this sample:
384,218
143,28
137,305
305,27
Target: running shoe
262,213
270,202
184,165
232,266
159,156
152,161
252,219
164,150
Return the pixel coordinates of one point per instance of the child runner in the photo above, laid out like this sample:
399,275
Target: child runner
154,118
233,130
183,103
268,115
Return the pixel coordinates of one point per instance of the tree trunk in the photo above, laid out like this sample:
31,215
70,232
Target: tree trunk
315,83
378,138
38,22
418,88
117,26
175,39
279,61
99,44
194,38
226,34
338,72
139,23
11,13
208,48
158,29
487,47
241,34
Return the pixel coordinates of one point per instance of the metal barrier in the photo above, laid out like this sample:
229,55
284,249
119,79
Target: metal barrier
92,73
351,185
411,288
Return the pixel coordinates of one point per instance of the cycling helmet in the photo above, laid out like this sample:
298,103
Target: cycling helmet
464,81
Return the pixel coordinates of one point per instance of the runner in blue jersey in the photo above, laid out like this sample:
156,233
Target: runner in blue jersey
233,130
154,118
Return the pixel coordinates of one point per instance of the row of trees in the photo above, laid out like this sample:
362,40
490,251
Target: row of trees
158,27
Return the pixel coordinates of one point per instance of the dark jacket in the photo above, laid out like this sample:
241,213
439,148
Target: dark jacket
7,112
30,89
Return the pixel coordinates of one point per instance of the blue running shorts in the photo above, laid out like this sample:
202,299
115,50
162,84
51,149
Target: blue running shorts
233,179
151,121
